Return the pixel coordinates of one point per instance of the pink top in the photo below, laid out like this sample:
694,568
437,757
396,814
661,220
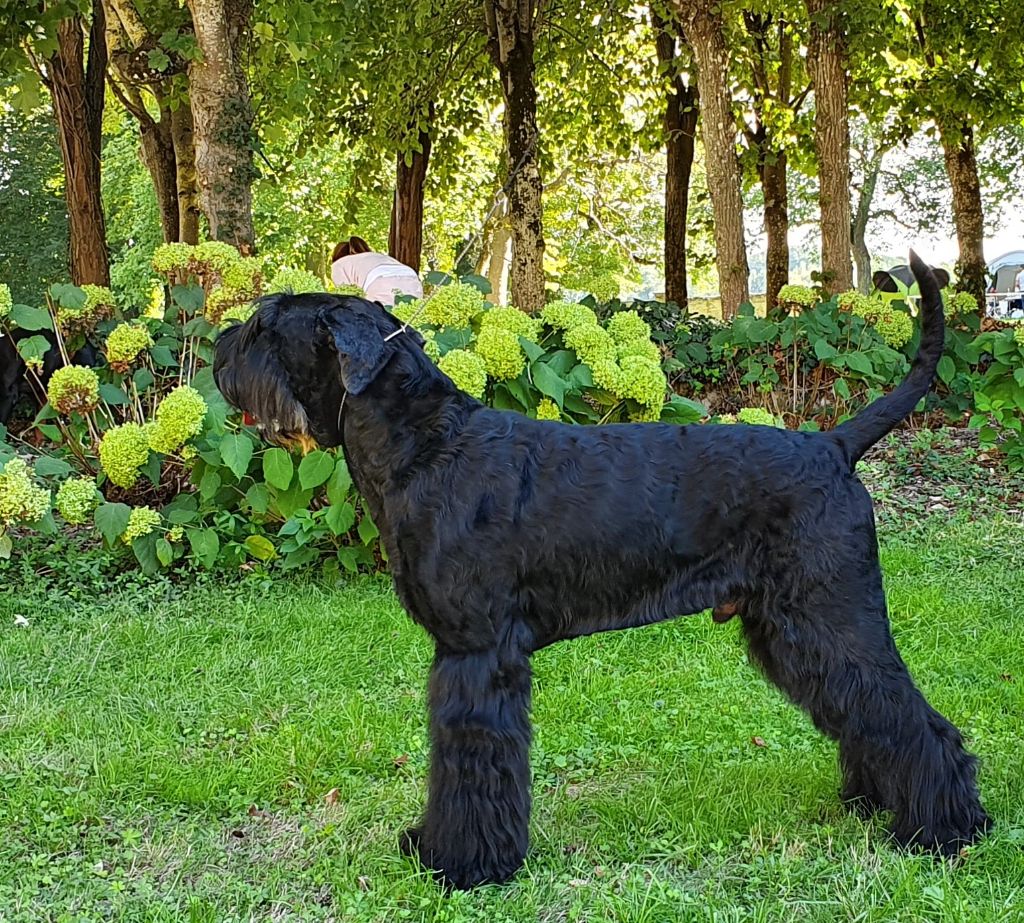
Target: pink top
377,274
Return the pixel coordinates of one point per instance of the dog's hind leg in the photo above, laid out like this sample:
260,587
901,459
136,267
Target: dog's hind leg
475,826
833,655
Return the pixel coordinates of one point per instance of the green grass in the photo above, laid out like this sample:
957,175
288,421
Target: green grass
168,755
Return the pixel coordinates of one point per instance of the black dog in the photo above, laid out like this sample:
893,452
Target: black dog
506,534
14,383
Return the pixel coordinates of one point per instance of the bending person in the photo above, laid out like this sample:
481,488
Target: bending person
382,277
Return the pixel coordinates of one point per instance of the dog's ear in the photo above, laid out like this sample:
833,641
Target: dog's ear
362,351
941,276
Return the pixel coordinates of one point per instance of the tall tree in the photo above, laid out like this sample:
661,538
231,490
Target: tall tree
405,238
704,29
223,118
682,108
776,85
512,27
150,45
827,62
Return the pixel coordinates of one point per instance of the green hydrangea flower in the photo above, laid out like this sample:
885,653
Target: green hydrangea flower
431,348
503,356
645,414
565,315
170,258
1018,334
799,296
894,326
454,305
645,349
628,327
76,499
963,303
356,291
20,499
241,282
73,389
607,374
725,418
99,305
179,417
407,310
518,322
643,381
6,302
123,451
296,281
141,521
214,255
125,343
757,416
238,312
547,409
175,534
466,370
593,344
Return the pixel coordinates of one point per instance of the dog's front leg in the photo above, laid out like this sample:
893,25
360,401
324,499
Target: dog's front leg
478,806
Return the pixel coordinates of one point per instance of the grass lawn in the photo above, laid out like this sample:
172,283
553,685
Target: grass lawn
252,752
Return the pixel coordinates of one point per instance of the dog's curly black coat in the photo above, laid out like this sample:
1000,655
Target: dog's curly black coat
506,534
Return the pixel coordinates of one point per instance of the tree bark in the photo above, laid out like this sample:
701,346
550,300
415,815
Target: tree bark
77,89
680,126
158,155
772,170
511,28
968,215
861,216
222,113
826,61
702,24
187,182
405,239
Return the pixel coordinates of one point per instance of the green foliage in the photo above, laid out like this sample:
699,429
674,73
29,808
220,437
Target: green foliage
999,392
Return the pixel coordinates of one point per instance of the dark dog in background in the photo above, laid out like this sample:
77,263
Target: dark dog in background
14,383
507,534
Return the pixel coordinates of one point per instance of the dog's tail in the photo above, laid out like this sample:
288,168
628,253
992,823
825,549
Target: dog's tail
864,430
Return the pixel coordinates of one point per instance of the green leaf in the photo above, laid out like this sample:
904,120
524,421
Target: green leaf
682,410
946,369
189,298
549,383
164,551
481,284
278,469
367,529
6,546
532,350
315,468
340,517
31,318
67,295
562,362
48,466
824,350
146,554
257,498
260,547
112,519
236,450
113,395
143,379
349,558
340,482
209,484
205,546
859,363
841,388
33,348
163,357
289,502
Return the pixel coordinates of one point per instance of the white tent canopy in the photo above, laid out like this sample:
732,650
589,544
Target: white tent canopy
1003,271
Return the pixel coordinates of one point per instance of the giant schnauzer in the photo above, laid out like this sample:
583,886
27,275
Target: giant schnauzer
506,534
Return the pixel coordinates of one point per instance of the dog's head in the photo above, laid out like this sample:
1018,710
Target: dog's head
291,364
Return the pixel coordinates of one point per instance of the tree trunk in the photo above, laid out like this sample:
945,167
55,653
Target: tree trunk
158,155
77,91
826,61
702,24
680,125
222,114
405,240
858,230
499,262
968,215
187,183
510,26
773,174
